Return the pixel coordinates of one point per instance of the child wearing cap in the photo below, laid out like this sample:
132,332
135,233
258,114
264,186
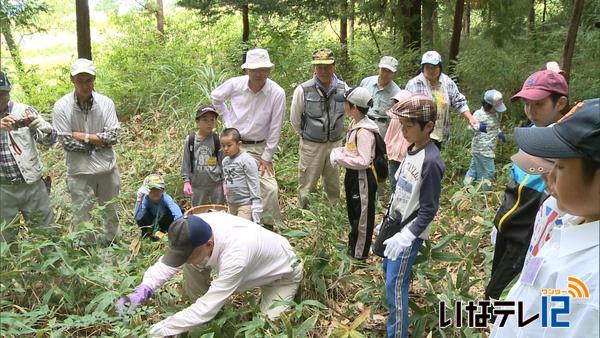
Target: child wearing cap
154,209
483,144
242,182
359,182
569,259
201,161
545,94
412,207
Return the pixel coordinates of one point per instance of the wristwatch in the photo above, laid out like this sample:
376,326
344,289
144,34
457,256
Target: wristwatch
87,138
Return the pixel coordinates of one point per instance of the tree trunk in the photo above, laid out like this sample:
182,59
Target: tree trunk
372,31
544,12
488,21
160,20
344,31
84,41
571,37
531,19
467,18
455,42
351,18
428,23
412,24
12,46
245,29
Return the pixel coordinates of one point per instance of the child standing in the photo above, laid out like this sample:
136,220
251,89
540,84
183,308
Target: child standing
412,207
569,260
154,209
483,144
545,94
201,162
360,183
241,178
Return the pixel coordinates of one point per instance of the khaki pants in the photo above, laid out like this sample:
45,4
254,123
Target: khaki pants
86,190
197,279
243,211
269,189
31,200
314,163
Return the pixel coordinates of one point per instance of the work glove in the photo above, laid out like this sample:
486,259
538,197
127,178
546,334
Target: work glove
141,294
160,329
397,243
502,137
493,236
377,229
332,159
187,189
40,124
482,127
256,212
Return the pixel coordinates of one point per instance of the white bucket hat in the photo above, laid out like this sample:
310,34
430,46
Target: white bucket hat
257,58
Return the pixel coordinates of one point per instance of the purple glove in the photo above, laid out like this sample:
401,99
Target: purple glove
141,294
482,127
502,137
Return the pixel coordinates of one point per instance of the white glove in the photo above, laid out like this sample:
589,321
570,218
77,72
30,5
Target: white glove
493,236
157,329
256,212
397,243
41,125
377,229
332,158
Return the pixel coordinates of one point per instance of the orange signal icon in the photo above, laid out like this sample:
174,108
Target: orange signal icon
577,289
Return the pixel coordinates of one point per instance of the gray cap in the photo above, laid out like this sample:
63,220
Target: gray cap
185,235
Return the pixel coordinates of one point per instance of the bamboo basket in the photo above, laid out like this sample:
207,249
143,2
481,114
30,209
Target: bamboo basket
206,208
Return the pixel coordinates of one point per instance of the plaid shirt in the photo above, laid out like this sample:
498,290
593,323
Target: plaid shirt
10,171
451,98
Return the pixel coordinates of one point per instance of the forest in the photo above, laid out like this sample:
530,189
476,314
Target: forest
160,60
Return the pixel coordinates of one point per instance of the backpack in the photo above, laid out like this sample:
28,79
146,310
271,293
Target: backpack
191,140
379,165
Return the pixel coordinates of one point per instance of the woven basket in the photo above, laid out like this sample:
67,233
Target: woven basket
206,208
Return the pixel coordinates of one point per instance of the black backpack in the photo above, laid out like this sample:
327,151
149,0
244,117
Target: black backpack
191,140
379,165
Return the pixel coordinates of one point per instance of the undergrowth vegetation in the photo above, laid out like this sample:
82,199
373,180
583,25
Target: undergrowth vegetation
49,287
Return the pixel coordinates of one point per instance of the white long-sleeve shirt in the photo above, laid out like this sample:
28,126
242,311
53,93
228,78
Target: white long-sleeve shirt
571,252
245,255
257,116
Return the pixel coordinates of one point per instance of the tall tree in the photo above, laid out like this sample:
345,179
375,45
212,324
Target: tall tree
21,15
531,18
569,47
428,22
411,20
455,42
84,41
344,30
160,19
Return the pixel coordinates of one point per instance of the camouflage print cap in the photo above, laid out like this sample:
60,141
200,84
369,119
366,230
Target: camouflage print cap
323,56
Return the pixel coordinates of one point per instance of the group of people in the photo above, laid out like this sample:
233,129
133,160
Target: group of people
236,167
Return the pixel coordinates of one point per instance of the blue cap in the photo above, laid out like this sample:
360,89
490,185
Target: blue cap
185,235
4,83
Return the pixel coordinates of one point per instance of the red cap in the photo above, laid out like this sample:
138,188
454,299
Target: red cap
541,84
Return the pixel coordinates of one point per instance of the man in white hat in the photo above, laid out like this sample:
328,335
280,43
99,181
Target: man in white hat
22,189
382,87
88,128
319,121
256,108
